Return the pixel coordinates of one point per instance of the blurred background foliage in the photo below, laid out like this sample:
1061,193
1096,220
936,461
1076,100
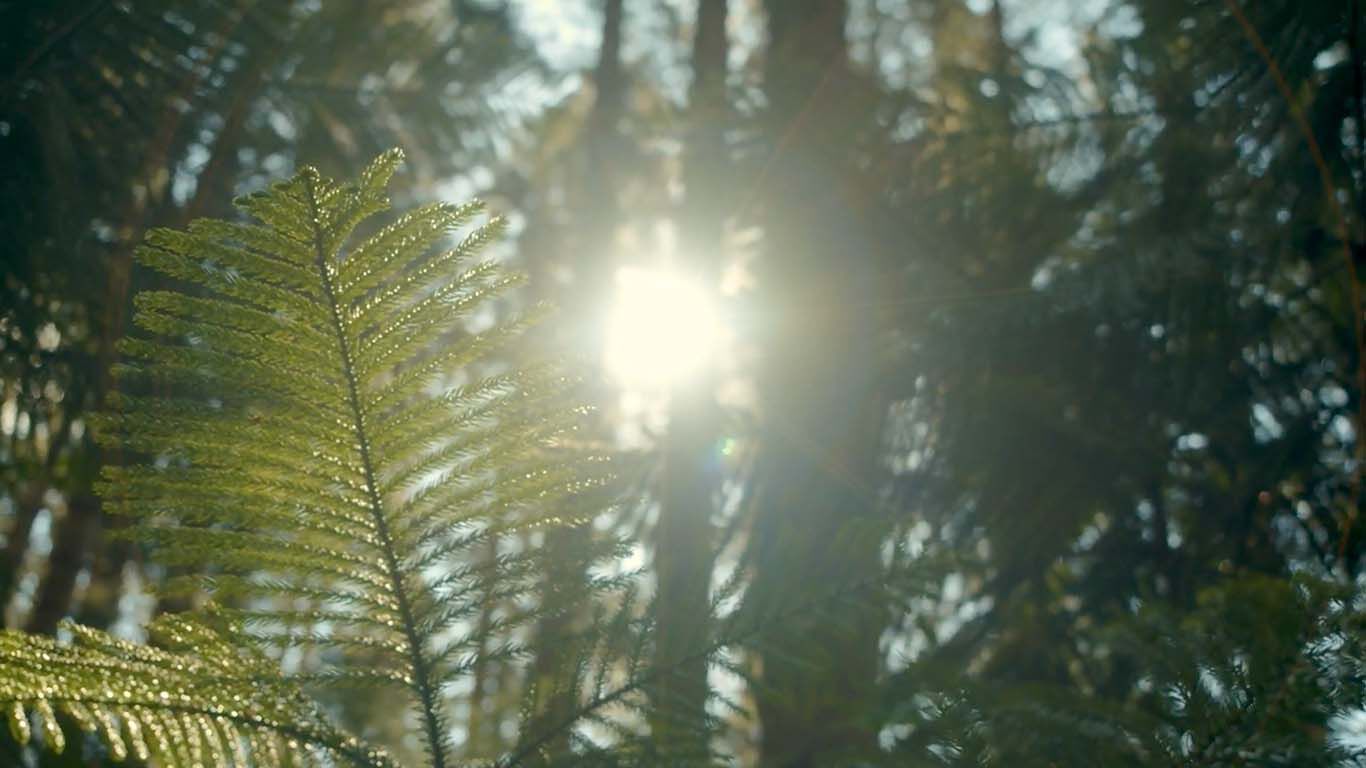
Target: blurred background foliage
1034,438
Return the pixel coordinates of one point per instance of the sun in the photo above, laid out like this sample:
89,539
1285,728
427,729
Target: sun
662,331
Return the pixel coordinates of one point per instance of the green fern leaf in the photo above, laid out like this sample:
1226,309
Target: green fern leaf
305,454
196,699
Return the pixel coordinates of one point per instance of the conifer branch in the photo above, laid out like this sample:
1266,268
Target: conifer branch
437,743
292,444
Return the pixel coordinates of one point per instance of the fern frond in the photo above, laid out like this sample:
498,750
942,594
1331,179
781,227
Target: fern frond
298,452
194,699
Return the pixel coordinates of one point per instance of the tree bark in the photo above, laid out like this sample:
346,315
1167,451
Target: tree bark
567,550
70,548
476,743
28,502
683,535
817,530
28,499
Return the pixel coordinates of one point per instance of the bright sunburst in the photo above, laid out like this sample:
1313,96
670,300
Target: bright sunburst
663,329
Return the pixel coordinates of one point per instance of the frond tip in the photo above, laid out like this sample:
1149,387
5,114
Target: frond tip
194,698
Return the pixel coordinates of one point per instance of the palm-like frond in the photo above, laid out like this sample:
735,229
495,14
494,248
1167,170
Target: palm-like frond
298,447
196,699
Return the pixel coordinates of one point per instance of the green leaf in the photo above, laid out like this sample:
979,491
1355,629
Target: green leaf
195,691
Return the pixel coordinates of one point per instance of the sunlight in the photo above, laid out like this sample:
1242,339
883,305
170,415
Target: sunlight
662,329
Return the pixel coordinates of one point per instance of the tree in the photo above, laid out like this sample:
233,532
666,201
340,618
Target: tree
1122,424
817,524
556,676
683,536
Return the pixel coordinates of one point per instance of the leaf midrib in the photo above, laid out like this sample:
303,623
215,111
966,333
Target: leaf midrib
414,647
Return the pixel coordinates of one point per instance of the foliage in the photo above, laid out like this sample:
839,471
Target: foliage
1040,444
292,442
134,114
197,699
1258,675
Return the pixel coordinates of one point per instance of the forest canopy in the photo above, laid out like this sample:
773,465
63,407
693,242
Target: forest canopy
777,383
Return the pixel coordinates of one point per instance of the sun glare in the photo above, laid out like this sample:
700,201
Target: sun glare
662,330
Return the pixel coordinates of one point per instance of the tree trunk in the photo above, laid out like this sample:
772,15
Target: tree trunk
551,676
683,535
27,504
476,744
70,548
816,536
73,539
567,550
